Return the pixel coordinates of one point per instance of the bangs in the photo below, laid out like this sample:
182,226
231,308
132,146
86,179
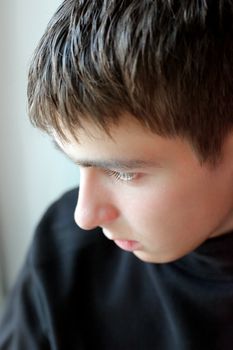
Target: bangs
92,72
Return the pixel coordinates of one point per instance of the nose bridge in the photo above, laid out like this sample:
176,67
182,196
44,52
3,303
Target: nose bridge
87,186
94,208
87,199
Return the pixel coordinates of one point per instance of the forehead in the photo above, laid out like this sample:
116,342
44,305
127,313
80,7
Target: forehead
127,141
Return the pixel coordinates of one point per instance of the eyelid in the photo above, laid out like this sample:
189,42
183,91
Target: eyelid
122,175
119,174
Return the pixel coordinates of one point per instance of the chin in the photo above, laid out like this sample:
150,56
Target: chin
155,259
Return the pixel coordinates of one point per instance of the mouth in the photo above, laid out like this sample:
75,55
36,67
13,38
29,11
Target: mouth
125,244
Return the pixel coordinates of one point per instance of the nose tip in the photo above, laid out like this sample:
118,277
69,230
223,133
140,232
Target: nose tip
81,219
90,217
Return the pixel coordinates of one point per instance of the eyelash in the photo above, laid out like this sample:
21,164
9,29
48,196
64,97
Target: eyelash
120,176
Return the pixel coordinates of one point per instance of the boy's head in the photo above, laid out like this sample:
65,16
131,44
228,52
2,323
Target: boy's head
141,91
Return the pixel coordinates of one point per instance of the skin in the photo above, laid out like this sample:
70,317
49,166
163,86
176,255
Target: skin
167,202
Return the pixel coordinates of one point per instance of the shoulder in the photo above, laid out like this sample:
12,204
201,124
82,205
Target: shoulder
58,236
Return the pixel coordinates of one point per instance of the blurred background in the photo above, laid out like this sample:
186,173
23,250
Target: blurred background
32,172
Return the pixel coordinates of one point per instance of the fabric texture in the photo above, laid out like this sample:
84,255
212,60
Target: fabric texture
77,290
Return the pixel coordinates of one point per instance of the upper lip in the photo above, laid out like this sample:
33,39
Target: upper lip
112,237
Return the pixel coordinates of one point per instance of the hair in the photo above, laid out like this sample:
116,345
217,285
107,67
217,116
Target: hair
168,63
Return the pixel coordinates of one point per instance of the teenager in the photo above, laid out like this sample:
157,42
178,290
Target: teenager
140,95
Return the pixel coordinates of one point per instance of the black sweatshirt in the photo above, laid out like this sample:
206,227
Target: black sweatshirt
77,290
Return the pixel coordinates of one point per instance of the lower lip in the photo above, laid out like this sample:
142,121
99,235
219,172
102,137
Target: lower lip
129,246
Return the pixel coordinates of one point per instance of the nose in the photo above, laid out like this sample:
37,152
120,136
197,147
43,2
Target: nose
95,206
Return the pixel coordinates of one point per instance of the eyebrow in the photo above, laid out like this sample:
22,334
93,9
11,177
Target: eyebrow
116,164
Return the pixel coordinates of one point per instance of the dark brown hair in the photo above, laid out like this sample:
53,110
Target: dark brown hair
168,63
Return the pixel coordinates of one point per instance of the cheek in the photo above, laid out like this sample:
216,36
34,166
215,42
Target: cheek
186,211
165,210
152,207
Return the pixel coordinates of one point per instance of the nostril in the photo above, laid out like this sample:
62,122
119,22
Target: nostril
107,214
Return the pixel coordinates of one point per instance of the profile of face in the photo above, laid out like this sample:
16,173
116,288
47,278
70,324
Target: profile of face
150,194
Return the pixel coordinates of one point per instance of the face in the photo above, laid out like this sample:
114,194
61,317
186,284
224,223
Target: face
149,194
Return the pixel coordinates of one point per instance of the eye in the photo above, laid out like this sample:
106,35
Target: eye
124,177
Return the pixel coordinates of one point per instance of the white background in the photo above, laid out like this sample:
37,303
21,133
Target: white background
32,172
